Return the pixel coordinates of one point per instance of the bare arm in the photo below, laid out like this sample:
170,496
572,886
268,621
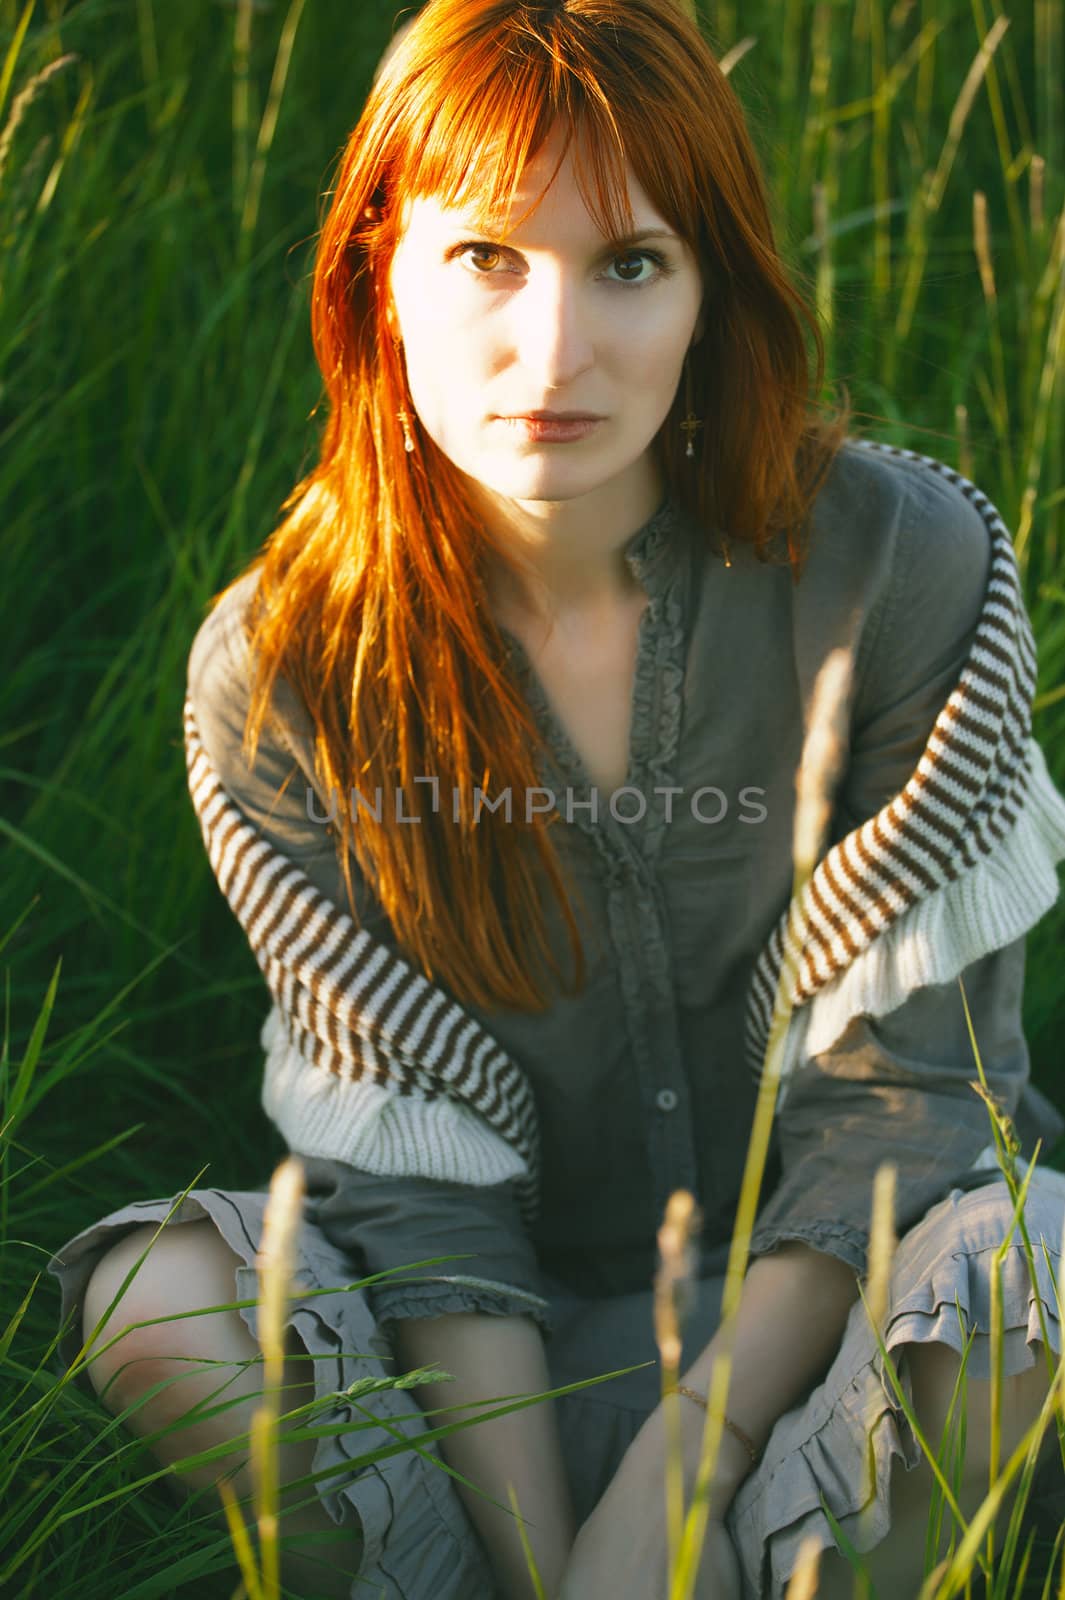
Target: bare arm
491,1356
793,1309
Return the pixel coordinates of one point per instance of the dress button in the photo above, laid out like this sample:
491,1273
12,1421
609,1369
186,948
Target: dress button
666,1100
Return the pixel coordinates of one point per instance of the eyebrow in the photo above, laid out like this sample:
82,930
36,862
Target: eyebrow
646,233
617,243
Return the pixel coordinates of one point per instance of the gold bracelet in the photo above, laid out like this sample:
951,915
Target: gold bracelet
733,1427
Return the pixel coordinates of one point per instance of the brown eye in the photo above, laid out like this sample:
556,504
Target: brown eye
485,247
631,256
473,244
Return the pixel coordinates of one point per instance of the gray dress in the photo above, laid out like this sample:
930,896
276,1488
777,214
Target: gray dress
639,1081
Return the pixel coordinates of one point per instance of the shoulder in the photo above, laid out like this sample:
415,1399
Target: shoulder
915,546
219,662
908,507
220,675
219,683
274,788
902,540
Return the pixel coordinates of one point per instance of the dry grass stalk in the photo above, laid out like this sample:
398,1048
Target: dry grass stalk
803,1583
274,1264
284,1211
1036,190
823,752
674,1288
22,101
674,1294
881,1258
961,428
882,1243
982,244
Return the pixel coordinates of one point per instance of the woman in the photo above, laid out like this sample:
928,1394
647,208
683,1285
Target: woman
520,694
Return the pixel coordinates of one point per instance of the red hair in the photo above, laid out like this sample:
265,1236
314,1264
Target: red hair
371,599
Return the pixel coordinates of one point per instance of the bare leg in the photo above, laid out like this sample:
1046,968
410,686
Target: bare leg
897,1564
193,1265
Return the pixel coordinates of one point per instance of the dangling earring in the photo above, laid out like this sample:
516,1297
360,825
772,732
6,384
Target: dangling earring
690,425
691,421
403,416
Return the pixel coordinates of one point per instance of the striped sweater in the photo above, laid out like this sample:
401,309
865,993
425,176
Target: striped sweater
957,864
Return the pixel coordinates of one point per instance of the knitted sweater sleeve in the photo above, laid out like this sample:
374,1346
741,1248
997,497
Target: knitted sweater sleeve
380,1206
897,1085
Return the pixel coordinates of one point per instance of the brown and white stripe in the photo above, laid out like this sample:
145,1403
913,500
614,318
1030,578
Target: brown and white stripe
353,1007
967,791
350,1005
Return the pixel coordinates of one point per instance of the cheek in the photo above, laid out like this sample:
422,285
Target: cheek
661,375
442,353
659,353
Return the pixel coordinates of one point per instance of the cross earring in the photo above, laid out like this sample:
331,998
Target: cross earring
690,427
691,422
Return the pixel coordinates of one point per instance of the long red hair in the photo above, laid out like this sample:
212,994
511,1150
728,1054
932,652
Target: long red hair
371,599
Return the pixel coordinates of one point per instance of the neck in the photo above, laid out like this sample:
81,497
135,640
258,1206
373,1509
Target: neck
566,556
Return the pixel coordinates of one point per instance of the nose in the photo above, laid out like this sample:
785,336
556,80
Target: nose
553,335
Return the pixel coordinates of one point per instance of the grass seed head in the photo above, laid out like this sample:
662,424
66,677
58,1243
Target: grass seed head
674,1280
823,753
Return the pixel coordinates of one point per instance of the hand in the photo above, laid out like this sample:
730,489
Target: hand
622,1548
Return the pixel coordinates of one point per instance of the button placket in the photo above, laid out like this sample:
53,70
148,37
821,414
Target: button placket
652,1025
637,920
627,854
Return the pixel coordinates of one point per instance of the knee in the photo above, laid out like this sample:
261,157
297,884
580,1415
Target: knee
937,1397
185,1269
164,1281
933,1369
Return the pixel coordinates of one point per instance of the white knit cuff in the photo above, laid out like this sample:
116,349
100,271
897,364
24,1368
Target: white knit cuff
374,1128
984,909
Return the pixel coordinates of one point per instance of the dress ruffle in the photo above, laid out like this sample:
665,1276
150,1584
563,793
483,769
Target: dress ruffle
436,1297
821,1447
418,1541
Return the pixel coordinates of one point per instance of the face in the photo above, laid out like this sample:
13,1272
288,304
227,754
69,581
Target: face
553,320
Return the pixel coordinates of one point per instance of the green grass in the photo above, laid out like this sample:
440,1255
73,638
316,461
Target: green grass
159,175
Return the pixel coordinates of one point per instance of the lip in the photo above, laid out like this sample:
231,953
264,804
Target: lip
551,430
553,416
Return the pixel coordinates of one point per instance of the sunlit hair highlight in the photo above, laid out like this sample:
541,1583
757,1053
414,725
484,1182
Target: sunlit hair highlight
371,598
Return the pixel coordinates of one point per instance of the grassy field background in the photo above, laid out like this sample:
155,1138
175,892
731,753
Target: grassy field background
160,174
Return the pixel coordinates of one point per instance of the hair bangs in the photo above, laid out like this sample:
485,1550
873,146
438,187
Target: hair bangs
476,150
